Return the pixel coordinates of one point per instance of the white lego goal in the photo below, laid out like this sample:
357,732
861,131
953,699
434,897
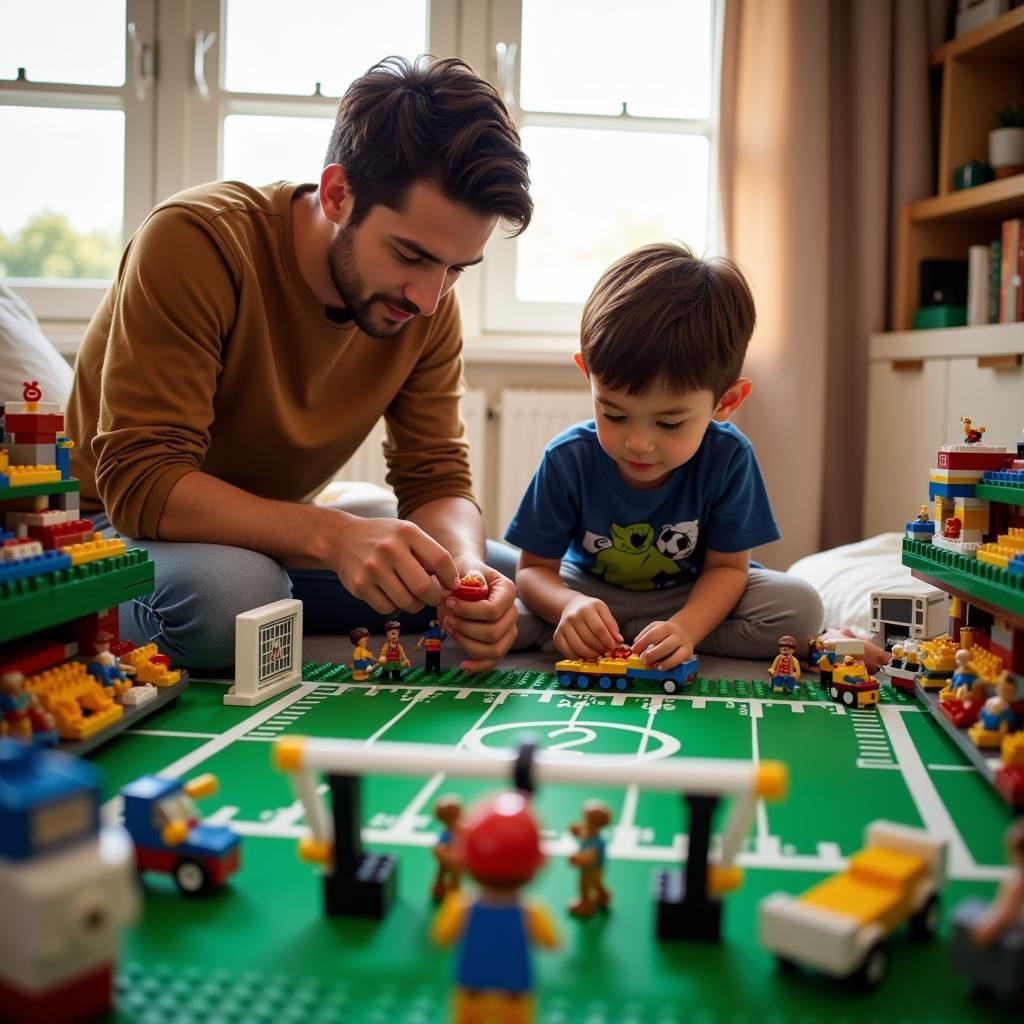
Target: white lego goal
268,653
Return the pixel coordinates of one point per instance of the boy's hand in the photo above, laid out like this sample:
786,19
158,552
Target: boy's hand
663,645
587,628
483,629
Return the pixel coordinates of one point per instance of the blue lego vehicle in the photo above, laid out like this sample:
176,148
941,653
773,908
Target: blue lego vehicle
163,821
618,668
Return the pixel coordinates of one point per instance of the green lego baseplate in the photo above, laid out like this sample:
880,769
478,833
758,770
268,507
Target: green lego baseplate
35,490
808,689
38,602
991,491
1000,589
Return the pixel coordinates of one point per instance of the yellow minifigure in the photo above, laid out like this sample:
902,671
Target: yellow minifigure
448,811
922,514
785,670
972,435
362,661
590,859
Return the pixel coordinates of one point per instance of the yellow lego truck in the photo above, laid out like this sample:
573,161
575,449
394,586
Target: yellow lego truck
841,926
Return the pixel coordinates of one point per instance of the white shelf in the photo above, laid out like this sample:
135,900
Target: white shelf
943,342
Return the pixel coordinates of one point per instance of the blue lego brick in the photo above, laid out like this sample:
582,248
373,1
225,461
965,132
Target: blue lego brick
48,561
6,535
915,528
937,490
64,462
1016,565
36,782
1004,476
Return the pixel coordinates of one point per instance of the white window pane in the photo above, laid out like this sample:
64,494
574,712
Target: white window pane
317,41
638,188
259,150
58,218
63,40
591,56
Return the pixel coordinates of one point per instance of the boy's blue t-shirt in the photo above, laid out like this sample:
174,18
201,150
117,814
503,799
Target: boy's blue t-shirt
579,509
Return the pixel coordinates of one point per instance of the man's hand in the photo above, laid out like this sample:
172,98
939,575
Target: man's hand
663,645
483,629
874,656
392,564
587,628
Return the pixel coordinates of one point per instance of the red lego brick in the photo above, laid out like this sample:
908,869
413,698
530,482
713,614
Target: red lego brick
23,438
1009,784
34,423
63,534
35,657
973,460
123,647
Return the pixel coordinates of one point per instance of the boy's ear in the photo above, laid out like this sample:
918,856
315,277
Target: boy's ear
578,360
734,397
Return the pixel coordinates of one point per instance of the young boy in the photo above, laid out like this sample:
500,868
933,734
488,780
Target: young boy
638,524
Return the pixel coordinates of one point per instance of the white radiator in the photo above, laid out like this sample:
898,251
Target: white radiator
368,461
530,418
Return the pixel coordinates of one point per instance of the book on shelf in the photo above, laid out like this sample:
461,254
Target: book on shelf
1010,299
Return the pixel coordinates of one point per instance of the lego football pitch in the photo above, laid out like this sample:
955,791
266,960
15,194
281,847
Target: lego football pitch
262,950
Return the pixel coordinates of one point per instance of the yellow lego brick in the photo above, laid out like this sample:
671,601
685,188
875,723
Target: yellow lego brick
973,518
25,476
1012,751
4,460
147,671
864,901
78,701
94,550
985,665
995,554
888,867
1013,539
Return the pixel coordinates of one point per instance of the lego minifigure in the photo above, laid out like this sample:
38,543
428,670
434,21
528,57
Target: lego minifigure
951,528
785,670
500,848
106,667
972,435
825,660
963,678
448,811
433,637
392,655
896,661
14,705
590,858
362,661
997,715
922,514
1008,907
911,657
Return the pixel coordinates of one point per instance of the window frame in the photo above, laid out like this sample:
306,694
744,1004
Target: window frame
77,299
501,313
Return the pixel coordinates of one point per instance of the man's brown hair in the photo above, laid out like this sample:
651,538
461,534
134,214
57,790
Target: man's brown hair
433,120
663,314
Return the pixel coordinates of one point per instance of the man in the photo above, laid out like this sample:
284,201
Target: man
251,340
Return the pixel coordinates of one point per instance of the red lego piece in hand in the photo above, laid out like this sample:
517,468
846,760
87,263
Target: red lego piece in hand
472,588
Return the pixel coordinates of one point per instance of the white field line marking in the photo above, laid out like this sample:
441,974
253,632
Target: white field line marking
755,756
406,820
172,733
952,768
929,804
112,808
626,832
421,695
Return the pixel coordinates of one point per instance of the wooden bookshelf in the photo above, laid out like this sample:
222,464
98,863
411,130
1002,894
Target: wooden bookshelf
979,72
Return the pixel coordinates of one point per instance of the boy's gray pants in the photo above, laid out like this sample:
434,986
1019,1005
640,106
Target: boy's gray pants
773,604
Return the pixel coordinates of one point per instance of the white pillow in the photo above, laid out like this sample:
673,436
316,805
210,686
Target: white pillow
26,354
847,576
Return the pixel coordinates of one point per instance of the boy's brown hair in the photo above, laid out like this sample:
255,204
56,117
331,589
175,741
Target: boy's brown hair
433,120
663,314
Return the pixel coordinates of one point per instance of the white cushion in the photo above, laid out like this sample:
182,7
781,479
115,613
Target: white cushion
847,576
26,354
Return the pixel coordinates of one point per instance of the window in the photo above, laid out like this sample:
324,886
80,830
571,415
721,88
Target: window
79,103
616,105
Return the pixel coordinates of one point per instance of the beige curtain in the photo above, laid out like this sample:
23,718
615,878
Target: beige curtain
825,132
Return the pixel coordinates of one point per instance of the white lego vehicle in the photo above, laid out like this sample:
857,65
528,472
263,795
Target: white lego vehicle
841,926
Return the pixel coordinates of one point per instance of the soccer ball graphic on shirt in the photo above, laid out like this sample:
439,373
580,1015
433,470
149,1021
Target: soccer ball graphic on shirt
677,540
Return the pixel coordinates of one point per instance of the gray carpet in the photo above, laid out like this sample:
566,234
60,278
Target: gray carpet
338,649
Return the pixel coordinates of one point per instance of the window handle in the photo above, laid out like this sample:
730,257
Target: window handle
203,42
143,64
505,66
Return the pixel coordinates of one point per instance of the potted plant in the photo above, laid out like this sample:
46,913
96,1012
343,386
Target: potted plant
1006,143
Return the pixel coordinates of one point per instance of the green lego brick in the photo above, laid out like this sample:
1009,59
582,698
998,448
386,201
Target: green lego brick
1000,589
32,490
1000,492
29,605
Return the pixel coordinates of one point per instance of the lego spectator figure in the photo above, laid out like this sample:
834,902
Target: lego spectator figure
499,846
785,670
825,658
352,274
590,858
105,666
432,640
448,811
14,705
392,657
1008,907
362,661
972,435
